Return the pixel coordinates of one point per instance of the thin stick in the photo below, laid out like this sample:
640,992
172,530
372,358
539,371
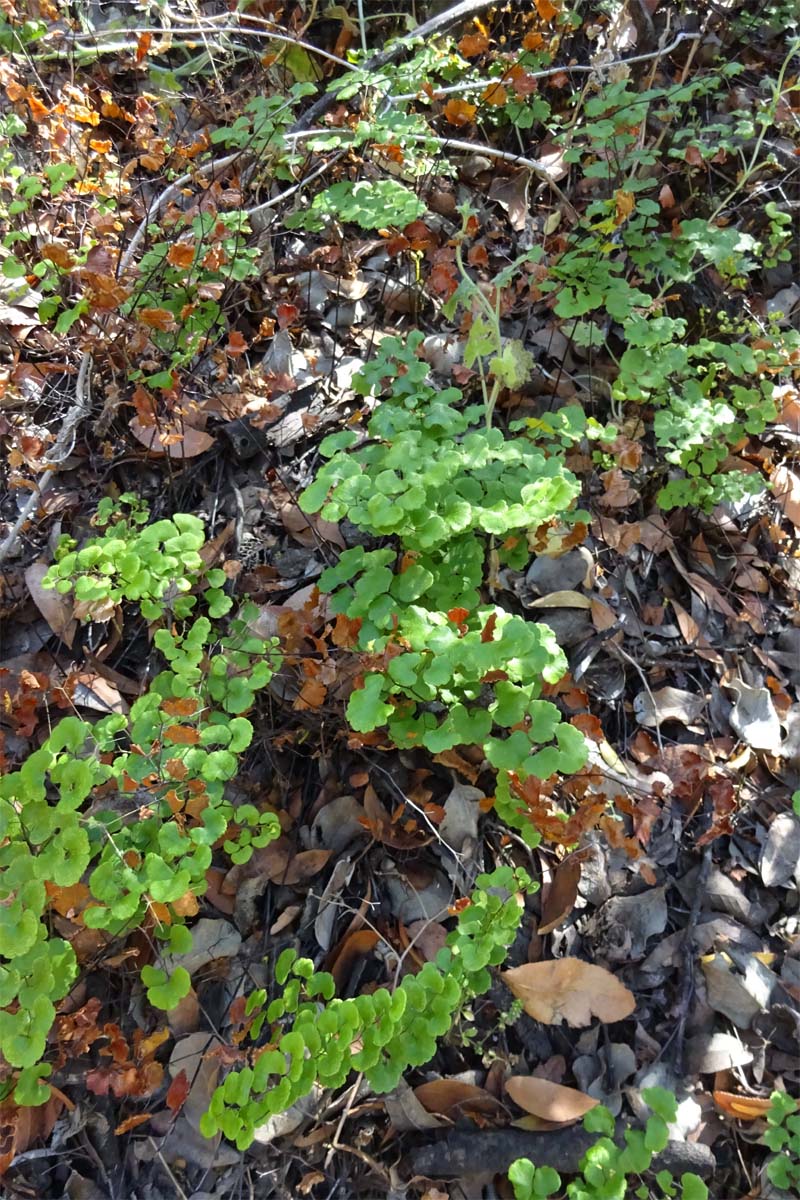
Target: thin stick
688,953
570,69
61,450
178,1189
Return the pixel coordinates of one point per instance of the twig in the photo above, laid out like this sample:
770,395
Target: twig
688,952
351,1099
61,450
595,68
121,44
297,187
178,1189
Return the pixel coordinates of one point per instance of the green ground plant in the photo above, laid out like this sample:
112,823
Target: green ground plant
445,669
126,811
380,1034
783,1137
609,1171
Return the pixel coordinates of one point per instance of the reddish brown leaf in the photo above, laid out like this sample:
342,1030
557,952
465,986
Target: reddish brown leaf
560,897
132,1123
473,44
180,706
546,9
182,735
181,254
459,112
487,633
186,442
157,318
177,1092
742,1108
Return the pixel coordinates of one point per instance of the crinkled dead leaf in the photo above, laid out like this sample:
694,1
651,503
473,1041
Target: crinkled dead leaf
668,704
571,990
551,1101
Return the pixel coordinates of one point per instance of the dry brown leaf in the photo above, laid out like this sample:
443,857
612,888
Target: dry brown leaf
551,1101
187,442
571,990
603,616
619,493
565,599
342,960
55,608
561,895
786,487
309,530
454,1097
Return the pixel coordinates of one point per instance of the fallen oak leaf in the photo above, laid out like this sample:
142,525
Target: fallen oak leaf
550,1101
571,990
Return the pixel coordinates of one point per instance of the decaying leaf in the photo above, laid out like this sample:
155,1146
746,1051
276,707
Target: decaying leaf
571,990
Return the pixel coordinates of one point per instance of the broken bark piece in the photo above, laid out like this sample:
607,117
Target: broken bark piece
471,1153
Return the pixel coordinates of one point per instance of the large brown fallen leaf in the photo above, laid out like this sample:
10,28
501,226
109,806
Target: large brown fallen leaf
571,990
552,1101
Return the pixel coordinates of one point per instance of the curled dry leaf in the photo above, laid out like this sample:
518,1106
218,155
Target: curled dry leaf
571,990
743,1108
551,1101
